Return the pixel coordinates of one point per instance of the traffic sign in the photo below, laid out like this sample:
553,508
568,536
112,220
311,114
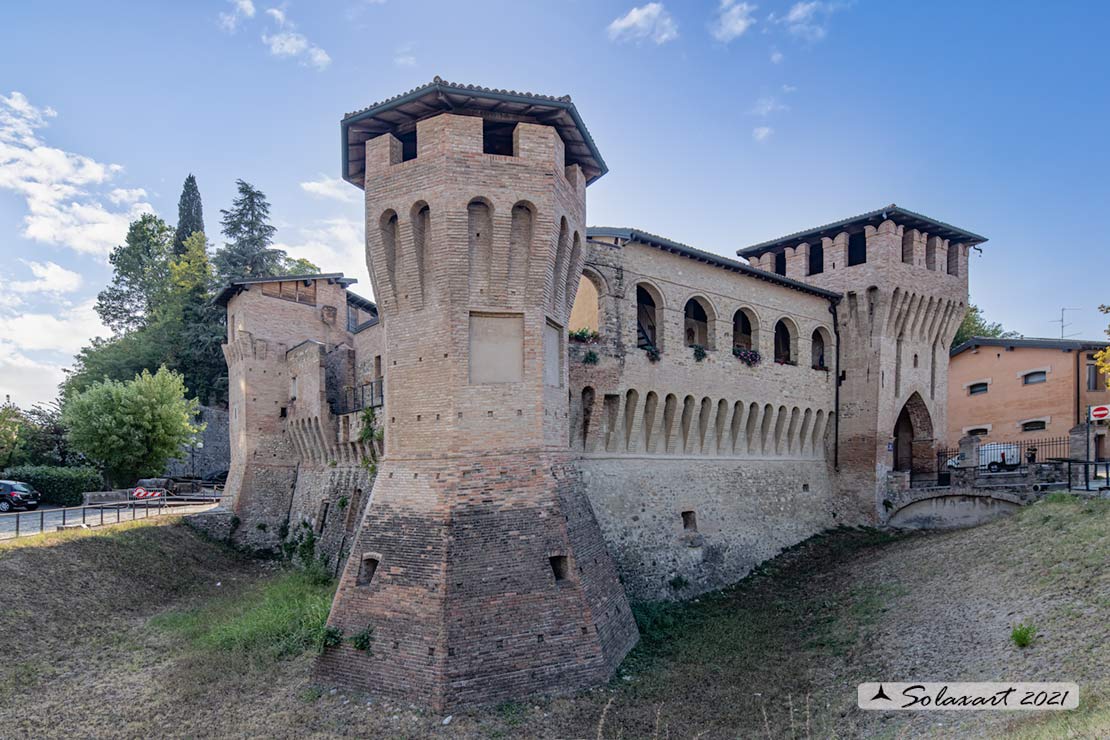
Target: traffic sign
141,492
1100,412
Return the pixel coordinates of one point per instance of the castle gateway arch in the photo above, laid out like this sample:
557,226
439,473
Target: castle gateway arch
913,434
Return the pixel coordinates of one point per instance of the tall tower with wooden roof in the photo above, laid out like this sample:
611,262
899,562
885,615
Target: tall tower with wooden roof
903,277
479,564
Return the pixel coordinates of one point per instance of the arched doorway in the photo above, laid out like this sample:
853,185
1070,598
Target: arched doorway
913,436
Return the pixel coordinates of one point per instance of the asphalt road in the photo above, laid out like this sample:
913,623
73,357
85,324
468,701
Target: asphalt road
49,519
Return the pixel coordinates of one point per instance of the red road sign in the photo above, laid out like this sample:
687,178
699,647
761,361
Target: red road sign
1100,412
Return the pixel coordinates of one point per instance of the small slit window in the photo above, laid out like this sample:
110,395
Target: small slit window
690,521
559,567
976,389
367,567
780,263
1037,376
322,518
979,432
1033,426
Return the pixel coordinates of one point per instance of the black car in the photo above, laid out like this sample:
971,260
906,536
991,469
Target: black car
14,494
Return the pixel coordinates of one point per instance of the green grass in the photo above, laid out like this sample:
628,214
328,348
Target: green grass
280,618
1023,634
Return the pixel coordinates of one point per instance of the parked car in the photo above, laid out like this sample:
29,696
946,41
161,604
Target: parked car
16,495
994,456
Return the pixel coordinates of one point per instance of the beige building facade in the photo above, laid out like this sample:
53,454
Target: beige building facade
538,421
1010,390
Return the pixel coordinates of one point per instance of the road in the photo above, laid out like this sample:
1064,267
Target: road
49,519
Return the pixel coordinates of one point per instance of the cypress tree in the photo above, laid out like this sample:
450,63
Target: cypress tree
190,215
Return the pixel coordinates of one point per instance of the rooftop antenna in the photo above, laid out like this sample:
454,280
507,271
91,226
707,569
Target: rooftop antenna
1064,325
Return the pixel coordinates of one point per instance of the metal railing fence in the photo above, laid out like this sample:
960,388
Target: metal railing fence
25,523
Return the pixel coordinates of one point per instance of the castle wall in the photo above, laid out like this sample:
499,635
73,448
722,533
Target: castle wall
746,449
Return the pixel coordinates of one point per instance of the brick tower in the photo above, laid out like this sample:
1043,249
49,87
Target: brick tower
904,281
479,563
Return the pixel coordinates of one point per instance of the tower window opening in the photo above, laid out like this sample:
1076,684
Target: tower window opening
367,567
559,567
857,249
647,321
690,521
497,137
816,259
408,145
780,263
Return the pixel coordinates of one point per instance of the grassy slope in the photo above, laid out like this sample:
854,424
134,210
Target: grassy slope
134,637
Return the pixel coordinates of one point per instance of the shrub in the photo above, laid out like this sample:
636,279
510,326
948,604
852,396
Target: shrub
1023,634
59,486
699,352
331,637
652,353
363,639
584,335
749,357
590,358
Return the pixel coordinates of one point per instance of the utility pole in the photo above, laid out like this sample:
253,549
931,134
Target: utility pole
1064,325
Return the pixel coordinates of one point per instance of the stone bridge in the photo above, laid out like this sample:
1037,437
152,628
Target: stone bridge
947,507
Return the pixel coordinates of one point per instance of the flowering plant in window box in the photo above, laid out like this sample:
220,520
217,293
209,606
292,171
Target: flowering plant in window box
749,357
699,352
584,335
590,358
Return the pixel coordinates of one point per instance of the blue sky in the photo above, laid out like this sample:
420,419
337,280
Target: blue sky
723,124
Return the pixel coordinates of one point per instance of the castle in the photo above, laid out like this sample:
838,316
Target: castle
537,421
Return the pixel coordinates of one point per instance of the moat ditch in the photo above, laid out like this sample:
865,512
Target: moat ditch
151,630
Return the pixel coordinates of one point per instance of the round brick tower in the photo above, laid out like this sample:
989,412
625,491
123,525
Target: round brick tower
479,564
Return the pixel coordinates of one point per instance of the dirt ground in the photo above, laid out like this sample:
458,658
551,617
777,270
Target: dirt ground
779,655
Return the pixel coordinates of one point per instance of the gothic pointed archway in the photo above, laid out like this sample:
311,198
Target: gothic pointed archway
913,435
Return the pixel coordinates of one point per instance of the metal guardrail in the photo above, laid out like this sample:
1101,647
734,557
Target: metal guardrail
15,524
368,395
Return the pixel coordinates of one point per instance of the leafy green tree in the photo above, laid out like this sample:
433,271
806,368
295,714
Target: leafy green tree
190,324
190,214
976,325
299,266
132,429
44,437
140,269
117,358
11,429
248,251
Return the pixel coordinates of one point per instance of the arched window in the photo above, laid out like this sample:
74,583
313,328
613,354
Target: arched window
744,330
784,343
819,347
696,329
649,333
585,316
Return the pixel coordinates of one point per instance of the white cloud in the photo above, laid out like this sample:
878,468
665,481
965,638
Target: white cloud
25,380
277,14
62,190
767,105
788,88
404,57
807,20
332,188
121,196
776,57
240,9
733,20
651,22
49,277
66,331
762,133
335,245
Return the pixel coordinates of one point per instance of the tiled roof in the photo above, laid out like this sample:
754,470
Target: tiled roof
708,257
901,215
439,96
1064,345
